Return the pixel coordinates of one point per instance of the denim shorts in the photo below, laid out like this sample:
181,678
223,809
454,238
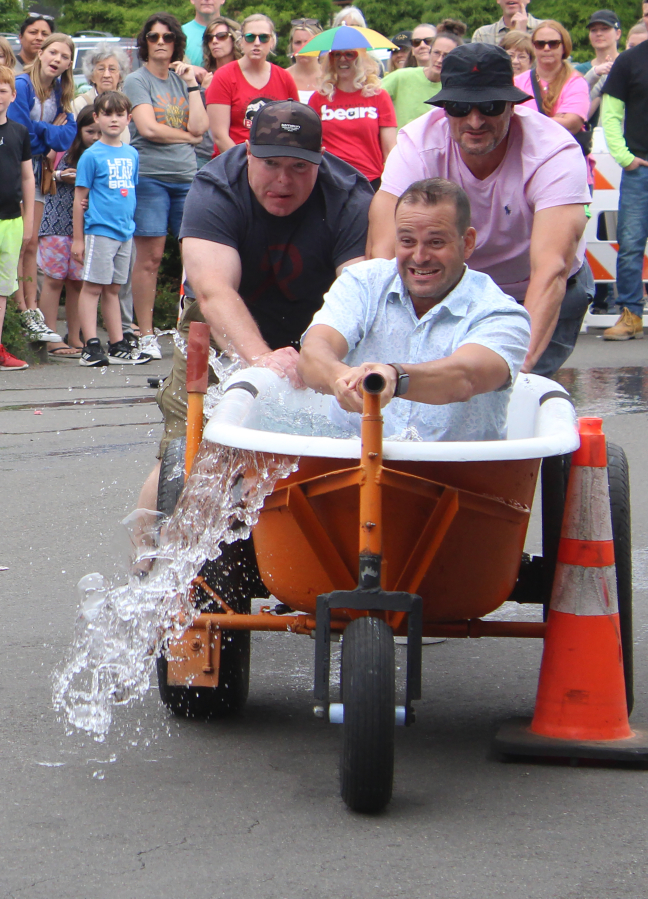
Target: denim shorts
159,206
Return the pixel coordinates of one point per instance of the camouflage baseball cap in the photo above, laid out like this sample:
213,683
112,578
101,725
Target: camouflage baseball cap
287,128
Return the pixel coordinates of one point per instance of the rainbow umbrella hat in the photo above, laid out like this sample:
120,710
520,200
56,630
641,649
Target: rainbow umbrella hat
346,37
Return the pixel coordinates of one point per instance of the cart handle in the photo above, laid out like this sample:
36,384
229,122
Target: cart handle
373,385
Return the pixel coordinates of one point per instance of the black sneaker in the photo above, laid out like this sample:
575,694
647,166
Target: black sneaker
130,338
122,353
93,354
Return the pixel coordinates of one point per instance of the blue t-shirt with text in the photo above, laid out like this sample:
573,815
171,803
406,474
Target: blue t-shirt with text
111,175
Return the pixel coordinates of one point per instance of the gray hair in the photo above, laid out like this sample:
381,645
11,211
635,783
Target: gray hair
100,53
353,15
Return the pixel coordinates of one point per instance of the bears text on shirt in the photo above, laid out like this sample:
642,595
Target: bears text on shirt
354,112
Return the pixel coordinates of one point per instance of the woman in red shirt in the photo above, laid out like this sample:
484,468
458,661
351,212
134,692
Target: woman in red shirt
358,118
238,83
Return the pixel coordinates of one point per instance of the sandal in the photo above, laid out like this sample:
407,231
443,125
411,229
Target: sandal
65,352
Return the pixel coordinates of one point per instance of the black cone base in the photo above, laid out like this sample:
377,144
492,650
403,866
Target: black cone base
514,738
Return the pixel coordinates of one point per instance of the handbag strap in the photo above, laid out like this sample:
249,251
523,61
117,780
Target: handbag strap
536,91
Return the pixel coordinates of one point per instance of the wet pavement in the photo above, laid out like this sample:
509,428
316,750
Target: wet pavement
250,807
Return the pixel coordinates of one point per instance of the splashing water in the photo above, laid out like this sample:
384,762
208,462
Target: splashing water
120,630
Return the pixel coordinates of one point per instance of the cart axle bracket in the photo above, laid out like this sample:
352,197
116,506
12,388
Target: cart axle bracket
369,600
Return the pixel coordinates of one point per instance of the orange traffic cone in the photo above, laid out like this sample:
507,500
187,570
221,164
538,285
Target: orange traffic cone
581,707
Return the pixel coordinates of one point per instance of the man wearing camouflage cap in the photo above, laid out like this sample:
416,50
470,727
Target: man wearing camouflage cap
267,227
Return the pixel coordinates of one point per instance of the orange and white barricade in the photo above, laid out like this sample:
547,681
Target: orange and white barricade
602,254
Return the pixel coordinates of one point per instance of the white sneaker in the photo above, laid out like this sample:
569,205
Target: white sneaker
34,326
149,346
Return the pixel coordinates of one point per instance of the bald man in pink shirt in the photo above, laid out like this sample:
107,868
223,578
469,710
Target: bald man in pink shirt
526,178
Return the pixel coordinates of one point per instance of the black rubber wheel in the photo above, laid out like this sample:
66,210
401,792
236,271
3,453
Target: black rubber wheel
367,762
235,578
619,483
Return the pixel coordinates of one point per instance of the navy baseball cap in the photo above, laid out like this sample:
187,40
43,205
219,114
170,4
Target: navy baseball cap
604,17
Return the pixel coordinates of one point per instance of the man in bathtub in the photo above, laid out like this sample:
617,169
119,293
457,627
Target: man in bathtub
448,341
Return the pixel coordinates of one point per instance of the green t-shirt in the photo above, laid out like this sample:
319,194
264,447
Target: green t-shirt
409,89
194,50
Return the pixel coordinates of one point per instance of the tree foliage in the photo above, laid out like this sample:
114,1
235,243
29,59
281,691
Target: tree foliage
389,18
11,15
125,17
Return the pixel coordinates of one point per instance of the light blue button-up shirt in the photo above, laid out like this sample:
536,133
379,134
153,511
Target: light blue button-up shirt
371,308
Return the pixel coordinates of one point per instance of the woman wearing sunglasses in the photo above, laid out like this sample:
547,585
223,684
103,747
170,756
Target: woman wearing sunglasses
358,118
563,92
306,70
219,44
237,84
422,38
169,120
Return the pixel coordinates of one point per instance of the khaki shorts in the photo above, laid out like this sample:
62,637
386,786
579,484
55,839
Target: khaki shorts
172,395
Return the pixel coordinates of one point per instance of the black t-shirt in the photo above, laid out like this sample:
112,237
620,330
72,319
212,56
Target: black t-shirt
287,262
628,81
14,150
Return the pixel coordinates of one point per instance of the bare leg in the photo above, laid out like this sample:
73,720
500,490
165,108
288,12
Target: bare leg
88,303
30,285
3,307
148,494
50,299
143,523
72,290
149,256
111,312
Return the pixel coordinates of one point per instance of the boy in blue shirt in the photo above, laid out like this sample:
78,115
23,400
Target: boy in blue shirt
106,178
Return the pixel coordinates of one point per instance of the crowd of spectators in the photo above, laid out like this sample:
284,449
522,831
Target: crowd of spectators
194,98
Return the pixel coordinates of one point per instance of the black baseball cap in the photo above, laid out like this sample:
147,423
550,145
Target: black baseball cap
604,17
287,128
403,40
477,73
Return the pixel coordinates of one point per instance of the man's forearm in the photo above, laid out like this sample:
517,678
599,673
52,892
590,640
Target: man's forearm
319,366
231,324
543,300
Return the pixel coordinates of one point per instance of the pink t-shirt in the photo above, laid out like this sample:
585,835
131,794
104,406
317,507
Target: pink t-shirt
543,167
351,126
574,97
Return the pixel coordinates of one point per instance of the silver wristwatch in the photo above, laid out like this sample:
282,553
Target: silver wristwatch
402,382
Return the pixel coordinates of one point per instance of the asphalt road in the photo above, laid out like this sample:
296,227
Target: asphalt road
250,807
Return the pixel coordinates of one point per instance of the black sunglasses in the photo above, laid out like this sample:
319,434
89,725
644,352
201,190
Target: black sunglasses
250,38
553,45
154,37
298,22
417,41
459,110
219,36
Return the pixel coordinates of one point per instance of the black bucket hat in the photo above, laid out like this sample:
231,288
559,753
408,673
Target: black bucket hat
477,73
